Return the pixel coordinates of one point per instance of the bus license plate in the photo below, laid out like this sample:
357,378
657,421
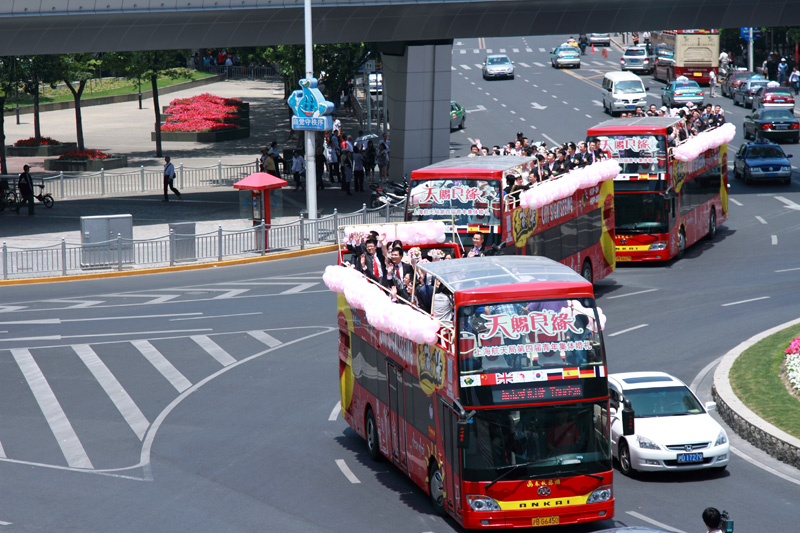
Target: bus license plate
690,458
697,74
623,258
544,521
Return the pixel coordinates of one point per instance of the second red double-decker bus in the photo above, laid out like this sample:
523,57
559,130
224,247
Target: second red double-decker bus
503,419
662,205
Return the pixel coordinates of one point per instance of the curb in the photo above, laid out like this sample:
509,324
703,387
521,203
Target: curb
741,419
177,268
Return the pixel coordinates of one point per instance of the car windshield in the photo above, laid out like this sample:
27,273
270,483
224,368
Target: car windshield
755,85
629,86
634,52
663,401
566,50
498,60
686,85
764,152
777,114
536,442
779,93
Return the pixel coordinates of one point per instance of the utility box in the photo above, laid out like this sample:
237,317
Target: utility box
182,237
106,240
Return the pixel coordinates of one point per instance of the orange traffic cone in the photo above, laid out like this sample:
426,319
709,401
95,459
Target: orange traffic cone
592,47
605,54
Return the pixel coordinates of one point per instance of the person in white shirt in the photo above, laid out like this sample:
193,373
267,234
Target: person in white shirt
298,167
337,124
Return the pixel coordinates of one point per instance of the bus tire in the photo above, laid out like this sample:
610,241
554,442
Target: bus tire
681,243
625,460
586,271
371,431
436,489
712,224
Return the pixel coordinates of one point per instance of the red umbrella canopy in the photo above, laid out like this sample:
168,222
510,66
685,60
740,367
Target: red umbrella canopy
260,181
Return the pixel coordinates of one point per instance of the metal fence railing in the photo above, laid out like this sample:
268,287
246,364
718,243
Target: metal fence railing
241,72
131,254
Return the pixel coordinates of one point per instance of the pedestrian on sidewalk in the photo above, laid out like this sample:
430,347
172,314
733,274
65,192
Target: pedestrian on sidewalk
298,169
370,157
169,178
358,168
794,80
319,165
25,185
712,83
347,171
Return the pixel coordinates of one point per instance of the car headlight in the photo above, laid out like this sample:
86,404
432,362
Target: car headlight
754,170
657,246
482,503
600,494
646,443
721,439
786,169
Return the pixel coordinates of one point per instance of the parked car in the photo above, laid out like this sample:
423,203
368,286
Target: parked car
566,56
640,58
732,81
762,160
458,115
672,429
602,39
680,92
498,66
772,124
744,93
773,97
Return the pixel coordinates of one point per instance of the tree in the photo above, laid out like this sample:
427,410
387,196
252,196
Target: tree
9,78
78,69
147,65
37,71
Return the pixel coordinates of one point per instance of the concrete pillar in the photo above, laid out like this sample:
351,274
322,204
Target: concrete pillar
416,88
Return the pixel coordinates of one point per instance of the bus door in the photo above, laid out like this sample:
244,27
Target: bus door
397,414
452,474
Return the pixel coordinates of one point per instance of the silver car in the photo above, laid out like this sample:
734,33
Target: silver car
638,58
498,66
603,39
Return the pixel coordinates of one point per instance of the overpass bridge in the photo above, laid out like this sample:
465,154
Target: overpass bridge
417,36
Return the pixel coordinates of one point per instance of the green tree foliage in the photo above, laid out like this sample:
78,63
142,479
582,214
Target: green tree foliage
76,70
38,71
9,78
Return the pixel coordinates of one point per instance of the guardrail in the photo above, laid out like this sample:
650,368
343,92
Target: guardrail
106,182
239,72
131,254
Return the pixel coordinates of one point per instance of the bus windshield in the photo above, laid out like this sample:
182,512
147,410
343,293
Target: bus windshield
537,442
528,336
636,154
467,202
640,213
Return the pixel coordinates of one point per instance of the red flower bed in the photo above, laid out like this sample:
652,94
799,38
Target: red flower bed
85,155
33,141
202,113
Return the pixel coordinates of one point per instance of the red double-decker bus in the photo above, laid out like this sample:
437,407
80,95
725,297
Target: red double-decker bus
690,53
661,205
503,419
577,231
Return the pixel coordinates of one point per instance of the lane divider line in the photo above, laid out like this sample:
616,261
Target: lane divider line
351,477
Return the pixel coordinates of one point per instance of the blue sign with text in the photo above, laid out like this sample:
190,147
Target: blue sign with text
312,123
311,110
744,33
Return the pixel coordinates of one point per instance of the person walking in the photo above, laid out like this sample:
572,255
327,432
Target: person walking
358,169
712,82
25,186
298,168
370,157
169,178
383,162
794,80
347,171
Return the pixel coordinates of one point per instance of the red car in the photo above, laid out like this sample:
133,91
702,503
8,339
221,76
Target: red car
774,98
730,83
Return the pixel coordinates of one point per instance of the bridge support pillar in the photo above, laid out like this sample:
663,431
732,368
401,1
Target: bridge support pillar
417,95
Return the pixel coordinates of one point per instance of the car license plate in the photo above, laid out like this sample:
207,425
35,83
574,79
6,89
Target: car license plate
781,100
772,175
630,107
690,458
544,521
633,60
781,126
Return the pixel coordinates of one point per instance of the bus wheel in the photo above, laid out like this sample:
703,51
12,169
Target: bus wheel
436,487
625,459
681,243
712,225
586,271
372,436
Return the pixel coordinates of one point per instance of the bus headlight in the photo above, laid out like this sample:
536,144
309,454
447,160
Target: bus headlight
657,246
600,494
482,503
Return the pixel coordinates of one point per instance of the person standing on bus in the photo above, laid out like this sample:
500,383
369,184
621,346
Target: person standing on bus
370,262
478,249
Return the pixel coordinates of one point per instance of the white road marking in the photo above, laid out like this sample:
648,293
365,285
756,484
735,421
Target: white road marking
206,317
588,116
632,294
599,63
265,337
335,413
161,364
504,105
540,65
478,66
522,119
502,50
5,523
533,127
567,103
740,204
495,99
576,109
774,239
555,143
654,522
119,397
746,301
538,106
59,424
523,64
351,477
463,51
475,51
529,50
78,304
761,220
513,112
554,95
628,330
41,321
515,50
787,270
2,451
465,67
764,467
598,103
488,50
542,50
213,349
789,204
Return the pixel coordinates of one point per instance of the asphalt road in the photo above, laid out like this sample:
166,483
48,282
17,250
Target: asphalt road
206,400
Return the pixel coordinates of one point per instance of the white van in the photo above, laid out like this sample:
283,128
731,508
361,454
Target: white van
623,91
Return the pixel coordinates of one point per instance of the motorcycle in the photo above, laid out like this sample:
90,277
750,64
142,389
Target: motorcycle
381,197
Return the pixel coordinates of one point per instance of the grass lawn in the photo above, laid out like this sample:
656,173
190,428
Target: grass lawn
102,87
755,378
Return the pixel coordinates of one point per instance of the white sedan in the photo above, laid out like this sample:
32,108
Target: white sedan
672,429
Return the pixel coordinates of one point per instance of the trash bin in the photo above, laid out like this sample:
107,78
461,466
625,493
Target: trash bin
99,244
183,241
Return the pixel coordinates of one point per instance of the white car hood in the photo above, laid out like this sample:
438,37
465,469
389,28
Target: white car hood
686,429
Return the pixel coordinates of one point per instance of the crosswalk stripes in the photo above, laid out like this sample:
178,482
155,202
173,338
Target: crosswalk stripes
523,64
466,67
538,64
213,349
119,397
59,424
161,364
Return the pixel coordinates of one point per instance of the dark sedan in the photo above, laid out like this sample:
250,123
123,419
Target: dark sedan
743,95
762,160
733,80
772,124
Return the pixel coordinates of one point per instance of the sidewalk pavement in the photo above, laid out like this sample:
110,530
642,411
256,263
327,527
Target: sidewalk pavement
125,129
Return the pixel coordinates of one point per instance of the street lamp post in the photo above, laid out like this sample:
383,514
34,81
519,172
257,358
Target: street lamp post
310,136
